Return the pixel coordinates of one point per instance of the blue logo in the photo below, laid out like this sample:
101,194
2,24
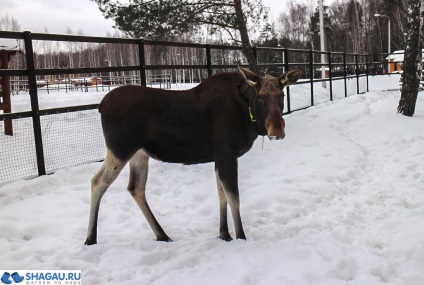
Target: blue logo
67,277
6,278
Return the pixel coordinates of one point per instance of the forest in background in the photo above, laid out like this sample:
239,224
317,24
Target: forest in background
350,26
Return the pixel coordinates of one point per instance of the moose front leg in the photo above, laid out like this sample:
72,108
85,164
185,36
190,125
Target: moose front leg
226,167
223,222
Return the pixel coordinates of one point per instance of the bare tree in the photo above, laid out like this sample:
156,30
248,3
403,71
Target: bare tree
9,24
292,24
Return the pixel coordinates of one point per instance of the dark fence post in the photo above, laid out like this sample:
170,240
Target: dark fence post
368,71
357,73
329,75
255,52
142,62
32,82
209,60
344,73
311,70
286,63
5,86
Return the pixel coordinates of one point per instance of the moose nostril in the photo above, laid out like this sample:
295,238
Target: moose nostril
273,138
275,134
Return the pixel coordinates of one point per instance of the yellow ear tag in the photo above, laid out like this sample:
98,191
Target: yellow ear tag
251,116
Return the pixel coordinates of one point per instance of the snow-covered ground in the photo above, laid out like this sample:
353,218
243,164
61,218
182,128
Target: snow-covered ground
339,201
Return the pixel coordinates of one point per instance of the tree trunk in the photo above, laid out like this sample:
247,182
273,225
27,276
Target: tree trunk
244,35
422,24
412,60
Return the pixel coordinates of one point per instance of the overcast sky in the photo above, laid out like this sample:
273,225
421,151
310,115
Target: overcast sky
84,15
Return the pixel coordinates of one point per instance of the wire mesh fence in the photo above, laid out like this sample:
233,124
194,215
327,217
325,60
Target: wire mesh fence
71,139
17,154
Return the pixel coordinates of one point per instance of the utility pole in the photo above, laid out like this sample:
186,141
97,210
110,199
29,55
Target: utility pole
389,50
322,40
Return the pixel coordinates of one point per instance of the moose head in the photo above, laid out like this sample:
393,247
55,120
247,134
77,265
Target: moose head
266,102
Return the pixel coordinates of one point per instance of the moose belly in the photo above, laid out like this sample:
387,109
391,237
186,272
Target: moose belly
180,152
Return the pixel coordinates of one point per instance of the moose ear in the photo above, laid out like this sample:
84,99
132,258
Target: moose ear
251,78
291,76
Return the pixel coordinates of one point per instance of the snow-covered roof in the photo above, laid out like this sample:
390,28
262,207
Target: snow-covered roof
397,56
9,44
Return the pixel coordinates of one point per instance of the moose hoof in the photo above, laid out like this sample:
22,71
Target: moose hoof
241,236
165,238
90,242
225,236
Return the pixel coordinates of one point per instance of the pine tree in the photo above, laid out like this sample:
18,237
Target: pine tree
168,19
412,59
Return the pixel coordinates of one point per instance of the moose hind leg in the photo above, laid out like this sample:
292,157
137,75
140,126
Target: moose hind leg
108,172
223,222
139,168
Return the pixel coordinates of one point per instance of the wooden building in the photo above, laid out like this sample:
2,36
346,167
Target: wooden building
396,61
8,48
396,65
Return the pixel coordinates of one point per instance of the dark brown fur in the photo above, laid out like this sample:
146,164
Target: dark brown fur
179,126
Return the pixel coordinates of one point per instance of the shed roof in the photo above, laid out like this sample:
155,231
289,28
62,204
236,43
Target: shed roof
9,44
397,56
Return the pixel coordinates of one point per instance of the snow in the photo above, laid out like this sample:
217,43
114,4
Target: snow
339,201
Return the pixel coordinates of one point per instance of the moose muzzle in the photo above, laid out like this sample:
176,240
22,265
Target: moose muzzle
275,127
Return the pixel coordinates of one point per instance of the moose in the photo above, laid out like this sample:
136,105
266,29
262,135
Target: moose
216,121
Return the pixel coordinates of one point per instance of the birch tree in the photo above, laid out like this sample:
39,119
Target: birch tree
412,64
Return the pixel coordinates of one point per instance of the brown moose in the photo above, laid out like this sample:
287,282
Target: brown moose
217,121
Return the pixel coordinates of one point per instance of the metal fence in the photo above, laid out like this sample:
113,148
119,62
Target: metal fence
46,140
